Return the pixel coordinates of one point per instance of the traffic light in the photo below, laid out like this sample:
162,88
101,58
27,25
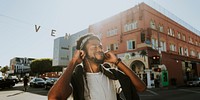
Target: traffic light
156,60
157,69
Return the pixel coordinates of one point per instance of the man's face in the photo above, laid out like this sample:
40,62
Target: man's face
95,51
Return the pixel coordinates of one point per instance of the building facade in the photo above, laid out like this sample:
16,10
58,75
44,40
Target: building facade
20,65
61,49
141,33
64,48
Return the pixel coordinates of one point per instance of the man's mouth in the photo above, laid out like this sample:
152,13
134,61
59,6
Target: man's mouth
99,54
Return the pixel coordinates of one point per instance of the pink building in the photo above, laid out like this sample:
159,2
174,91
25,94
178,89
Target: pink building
140,33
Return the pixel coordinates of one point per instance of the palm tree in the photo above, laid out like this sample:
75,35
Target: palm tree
143,53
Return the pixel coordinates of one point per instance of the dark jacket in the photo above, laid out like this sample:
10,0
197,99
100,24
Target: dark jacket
128,89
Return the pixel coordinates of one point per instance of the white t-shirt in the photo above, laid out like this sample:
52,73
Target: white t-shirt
99,87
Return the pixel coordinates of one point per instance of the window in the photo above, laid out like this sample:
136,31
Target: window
172,47
112,32
192,53
183,37
130,26
64,58
130,45
64,48
112,46
160,28
163,46
154,43
190,40
152,24
142,36
196,43
181,51
173,33
179,35
186,52
199,55
115,46
17,60
170,32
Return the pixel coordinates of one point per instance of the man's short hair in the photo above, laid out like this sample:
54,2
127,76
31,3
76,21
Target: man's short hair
84,39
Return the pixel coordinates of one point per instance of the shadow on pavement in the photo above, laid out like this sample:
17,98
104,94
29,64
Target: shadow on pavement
15,94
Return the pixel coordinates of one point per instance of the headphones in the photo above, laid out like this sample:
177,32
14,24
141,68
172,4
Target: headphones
83,40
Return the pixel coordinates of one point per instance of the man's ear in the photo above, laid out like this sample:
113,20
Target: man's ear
82,54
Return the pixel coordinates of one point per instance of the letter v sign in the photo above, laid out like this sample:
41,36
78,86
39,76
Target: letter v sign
37,28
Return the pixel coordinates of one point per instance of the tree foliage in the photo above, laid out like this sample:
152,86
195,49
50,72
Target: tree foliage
143,53
43,65
4,69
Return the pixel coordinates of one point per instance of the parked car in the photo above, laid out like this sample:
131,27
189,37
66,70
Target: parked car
37,82
6,83
50,82
45,78
194,82
14,78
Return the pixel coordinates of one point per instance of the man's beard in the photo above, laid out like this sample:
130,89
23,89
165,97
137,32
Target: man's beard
97,60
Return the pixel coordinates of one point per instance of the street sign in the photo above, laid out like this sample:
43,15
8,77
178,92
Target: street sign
164,78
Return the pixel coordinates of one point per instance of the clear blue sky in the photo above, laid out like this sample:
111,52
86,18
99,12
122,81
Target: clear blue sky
18,17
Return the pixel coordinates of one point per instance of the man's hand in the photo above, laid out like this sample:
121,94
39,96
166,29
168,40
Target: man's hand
110,57
78,56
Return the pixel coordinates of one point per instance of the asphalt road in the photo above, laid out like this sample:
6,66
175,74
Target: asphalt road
183,93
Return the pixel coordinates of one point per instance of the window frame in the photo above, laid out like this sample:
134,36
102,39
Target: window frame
131,45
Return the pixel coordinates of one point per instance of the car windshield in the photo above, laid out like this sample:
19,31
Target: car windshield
54,79
38,79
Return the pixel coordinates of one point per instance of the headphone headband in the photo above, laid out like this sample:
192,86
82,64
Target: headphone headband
82,41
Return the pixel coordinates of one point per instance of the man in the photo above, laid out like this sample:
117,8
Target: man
25,80
87,79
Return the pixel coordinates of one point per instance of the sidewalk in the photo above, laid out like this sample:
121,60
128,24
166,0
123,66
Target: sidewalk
17,93
20,95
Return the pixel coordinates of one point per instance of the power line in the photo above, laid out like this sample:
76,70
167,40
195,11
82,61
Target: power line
12,18
27,23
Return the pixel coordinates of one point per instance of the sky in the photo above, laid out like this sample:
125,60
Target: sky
18,37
